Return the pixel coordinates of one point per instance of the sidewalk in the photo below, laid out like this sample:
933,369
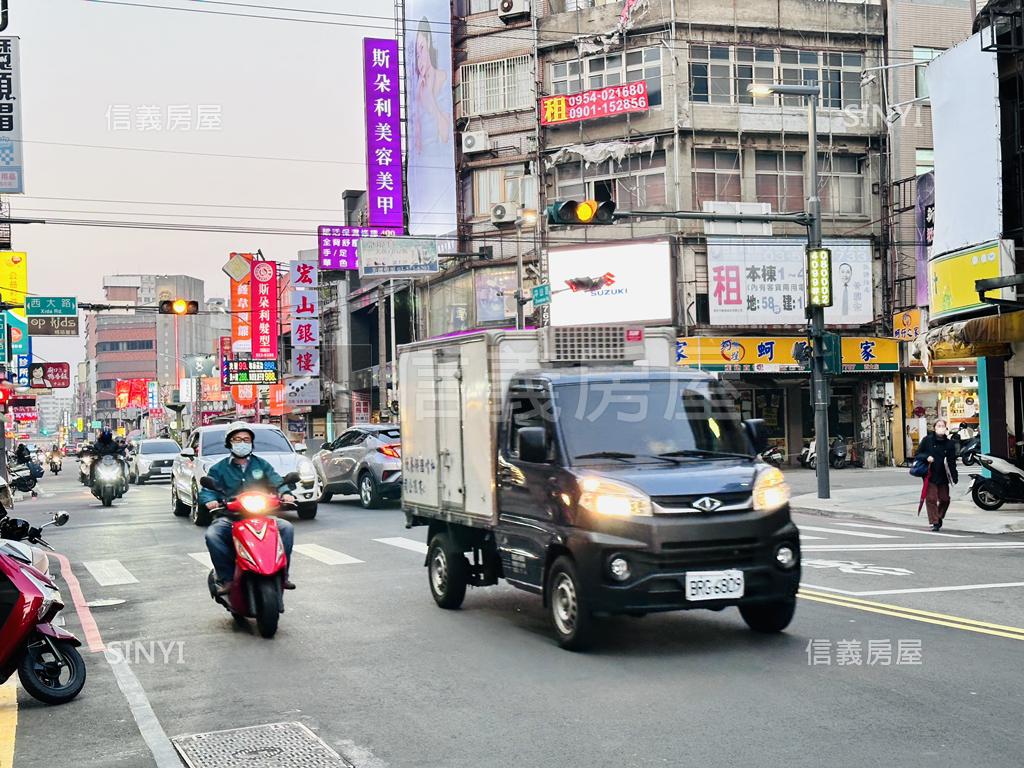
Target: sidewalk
890,495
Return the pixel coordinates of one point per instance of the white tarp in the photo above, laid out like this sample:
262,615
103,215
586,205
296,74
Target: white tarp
963,84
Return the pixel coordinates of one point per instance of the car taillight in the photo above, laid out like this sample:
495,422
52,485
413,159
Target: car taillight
391,451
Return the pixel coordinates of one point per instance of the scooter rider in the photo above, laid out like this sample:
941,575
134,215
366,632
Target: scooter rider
232,475
105,445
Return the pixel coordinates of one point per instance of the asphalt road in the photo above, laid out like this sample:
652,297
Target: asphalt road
370,665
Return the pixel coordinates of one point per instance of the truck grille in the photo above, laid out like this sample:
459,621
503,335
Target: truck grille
687,554
730,502
592,344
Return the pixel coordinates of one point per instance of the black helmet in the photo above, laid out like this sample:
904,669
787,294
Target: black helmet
106,435
236,427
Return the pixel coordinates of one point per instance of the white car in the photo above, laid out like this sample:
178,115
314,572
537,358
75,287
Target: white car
205,447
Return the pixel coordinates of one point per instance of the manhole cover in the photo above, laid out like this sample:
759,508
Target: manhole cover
277,745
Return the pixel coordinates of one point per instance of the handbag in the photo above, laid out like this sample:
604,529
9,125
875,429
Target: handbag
919,468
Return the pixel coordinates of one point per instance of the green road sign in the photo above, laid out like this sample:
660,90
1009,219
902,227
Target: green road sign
541,295
96,424
54,306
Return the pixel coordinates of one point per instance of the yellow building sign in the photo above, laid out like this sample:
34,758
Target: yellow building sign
906,326
951,277
778,354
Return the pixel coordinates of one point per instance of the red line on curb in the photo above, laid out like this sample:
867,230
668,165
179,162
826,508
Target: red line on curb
92,632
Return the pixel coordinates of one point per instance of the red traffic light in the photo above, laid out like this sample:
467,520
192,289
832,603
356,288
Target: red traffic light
5,395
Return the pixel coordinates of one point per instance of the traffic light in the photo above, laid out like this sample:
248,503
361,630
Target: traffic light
5,395
179,307
581,212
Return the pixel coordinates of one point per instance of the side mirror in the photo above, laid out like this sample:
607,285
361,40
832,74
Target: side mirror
757,434
533,444
61,518
325,446
300,448
188,453
207,482
291,478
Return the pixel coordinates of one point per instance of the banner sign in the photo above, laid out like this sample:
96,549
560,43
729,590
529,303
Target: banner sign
780,354
338,245
305,361
153,398
241,333
244,395
13,289
868,354
951,278
591,105
906,326
12,167
49,375
381,107
397,257
131,393
22,413
301,392
263,313
305,333
276,400
304,275
248,372
61,306
52,325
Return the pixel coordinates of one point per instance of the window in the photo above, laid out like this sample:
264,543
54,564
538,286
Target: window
530,410
596,72
496,86
716,176
780,180
267,441
842,184
720,74
568,6
924,161
124,346
482,6
634,182
923,55
508,184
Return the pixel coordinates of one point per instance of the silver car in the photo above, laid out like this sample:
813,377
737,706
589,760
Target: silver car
152,460
366,460
205,447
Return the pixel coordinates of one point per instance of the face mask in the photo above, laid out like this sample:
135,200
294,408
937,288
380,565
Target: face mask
940,431
241,450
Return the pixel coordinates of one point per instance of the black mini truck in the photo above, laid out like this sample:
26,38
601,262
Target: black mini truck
618,490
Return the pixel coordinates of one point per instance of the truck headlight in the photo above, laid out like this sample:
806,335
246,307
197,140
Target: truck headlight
307,472
610,499
770,490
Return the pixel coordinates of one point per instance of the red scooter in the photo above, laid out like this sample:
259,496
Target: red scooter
45,657
261,565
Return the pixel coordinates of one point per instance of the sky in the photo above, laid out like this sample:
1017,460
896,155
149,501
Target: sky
284,90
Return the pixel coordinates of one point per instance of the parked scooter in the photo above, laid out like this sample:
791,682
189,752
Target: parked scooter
968,442
773,456
808,456
839,453
108,480
257,591
21,476
45,657
1006,483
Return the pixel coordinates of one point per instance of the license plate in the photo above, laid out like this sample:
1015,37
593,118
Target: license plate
714,585
166,470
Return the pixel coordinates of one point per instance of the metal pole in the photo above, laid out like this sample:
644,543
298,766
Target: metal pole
382,352
819,380
394,342
520,304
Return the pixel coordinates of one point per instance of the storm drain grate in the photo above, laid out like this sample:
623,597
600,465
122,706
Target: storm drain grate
276,745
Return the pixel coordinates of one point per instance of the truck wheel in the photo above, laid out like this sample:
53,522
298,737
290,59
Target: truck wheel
448,571
985,497
570,615
769,617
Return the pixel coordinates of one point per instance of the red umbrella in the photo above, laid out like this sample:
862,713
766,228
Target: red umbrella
924,492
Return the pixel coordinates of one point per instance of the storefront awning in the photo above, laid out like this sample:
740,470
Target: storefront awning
978,337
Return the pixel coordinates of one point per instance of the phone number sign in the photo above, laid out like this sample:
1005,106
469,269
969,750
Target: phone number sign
235,372
592,105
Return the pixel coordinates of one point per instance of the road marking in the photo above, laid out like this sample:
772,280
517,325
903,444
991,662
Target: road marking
913,614
906,547
8,722
325,555
916,590
859,534
806,537
89,628
403,543
905,530
203,558
109,573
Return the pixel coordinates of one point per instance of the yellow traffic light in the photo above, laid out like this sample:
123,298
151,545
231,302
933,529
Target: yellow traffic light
585,211
180,306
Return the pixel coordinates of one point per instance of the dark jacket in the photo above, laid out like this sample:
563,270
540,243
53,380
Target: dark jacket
232,480
943,451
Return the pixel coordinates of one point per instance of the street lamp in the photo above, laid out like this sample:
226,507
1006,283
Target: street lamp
816,314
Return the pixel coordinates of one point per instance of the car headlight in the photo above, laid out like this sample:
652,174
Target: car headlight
770,490
50,594
610,499
144,465
307,472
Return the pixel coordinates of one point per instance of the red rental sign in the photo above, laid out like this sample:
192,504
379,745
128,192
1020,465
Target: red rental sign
263,314
591,105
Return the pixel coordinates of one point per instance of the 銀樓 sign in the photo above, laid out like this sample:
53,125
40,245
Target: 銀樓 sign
591,105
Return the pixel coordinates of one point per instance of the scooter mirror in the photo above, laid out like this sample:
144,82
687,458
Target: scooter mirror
61,518
207,482
291,478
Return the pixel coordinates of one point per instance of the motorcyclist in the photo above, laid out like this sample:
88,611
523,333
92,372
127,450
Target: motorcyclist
105,445
22,454
232,475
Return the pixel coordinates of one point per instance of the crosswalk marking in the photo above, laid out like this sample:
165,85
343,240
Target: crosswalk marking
404,543
806,537
108,573
840,531
325,555
203,558
904,530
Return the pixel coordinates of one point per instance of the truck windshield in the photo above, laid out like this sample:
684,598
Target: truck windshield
642,420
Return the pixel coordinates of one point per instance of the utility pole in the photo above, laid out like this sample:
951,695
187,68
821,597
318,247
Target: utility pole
394,347
382,351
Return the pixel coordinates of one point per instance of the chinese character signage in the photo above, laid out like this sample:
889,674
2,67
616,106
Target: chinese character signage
301,392
870,354
305,332
305,361
383,132
760,282
241,305
263,310
397,257
906,325
131,393
338,245
153,397
237,372
13,289
951,278
304,275
60,306
591,105
12,169
781,354
49,375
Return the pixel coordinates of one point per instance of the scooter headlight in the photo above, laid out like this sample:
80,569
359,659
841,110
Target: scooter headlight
770,490
254,503
50,594
108,473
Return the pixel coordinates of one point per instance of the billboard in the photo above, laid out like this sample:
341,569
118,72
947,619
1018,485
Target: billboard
778,354
131,393
241,305
13,288
12,169
263,310
592,105
49,375
383,112
759,281
628,283
963,85
397,257
951,278
924,228
430,161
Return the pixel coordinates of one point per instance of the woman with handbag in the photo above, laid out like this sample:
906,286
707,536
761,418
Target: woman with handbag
938,452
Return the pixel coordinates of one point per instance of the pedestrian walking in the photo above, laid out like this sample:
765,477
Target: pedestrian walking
939,451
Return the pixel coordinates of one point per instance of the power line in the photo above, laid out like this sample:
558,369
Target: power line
170,203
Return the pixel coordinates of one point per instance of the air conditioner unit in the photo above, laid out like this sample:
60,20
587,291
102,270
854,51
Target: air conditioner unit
510,10
475,141
504,214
